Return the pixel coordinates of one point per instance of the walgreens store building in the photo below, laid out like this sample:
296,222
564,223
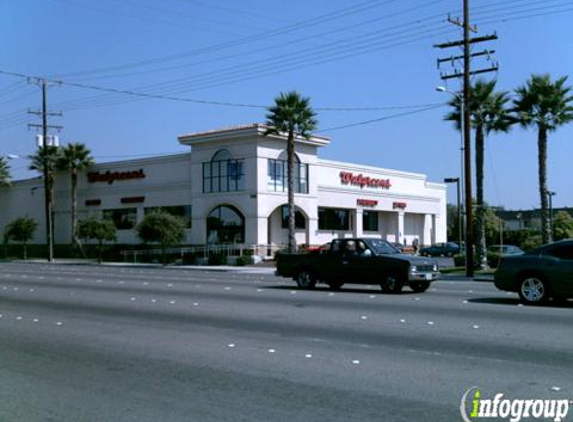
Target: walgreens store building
232,188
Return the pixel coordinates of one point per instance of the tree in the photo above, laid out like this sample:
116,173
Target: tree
562,226
99,230
74,158
545,105
46,157
489,113
21,230
4,172
163,228
292,115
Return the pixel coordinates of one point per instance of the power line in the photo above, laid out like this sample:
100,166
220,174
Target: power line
297,41
359,108
340,13
141,18
281,65
222,81
300,62
380,119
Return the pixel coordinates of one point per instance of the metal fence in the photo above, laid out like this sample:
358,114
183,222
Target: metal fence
202,252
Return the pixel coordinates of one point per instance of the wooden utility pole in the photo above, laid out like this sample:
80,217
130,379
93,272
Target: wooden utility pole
467,147
466,114
46,168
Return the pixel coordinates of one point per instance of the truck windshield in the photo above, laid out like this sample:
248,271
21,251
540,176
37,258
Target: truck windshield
381,247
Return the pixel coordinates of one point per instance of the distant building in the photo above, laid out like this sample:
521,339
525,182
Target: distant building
525,219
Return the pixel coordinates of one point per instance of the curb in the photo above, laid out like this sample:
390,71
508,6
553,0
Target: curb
222,268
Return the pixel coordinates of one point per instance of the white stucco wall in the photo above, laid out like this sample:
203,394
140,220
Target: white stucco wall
178,180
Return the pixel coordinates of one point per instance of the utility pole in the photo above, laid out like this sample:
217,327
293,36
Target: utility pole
468,146
466,113
46,167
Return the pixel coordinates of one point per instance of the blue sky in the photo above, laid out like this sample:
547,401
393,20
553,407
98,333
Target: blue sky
344,54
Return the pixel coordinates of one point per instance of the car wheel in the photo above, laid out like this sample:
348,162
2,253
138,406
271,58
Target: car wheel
391,284
305,280
533,290
419,286
335,285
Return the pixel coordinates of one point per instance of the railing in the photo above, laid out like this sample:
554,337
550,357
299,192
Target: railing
204,251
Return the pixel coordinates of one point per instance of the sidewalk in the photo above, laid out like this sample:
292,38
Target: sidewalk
217,268
462,277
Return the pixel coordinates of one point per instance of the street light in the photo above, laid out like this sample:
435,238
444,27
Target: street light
466,177
550,196
456,180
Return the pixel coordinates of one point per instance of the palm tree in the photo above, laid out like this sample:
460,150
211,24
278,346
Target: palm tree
4,172
46,157
292,115
546,105
489,113
74,158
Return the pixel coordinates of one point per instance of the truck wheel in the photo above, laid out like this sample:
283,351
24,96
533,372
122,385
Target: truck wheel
391,284
419,286
305,280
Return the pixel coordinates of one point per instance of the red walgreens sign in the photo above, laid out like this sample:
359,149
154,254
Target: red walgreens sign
347,178
109,177
366,202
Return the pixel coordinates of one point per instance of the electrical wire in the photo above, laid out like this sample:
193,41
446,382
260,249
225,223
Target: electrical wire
380,119
340,13
280,65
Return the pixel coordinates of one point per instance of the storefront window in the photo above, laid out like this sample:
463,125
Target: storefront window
333,219
299,220
182,211
370,221
225,224
123,218
223,173
277,176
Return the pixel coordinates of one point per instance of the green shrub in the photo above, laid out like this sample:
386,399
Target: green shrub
493,259
459,260
532,242
189,258
242,261
217,259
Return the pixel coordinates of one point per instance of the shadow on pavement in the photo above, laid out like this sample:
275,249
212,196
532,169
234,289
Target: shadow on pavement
516,301
347,288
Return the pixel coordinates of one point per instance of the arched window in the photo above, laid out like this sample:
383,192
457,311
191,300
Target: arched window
223,173
225,224
277,173
222,154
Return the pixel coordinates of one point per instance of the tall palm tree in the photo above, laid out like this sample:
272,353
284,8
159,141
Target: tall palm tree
4,172
546,105
46,157
489,113
74,158
293,115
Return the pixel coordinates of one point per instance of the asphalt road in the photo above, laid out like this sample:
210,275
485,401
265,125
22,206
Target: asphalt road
87,343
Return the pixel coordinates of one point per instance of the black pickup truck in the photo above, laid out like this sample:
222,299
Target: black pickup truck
359,261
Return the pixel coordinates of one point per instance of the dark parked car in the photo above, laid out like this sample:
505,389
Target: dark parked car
504,250
359,261
540,274
441,249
